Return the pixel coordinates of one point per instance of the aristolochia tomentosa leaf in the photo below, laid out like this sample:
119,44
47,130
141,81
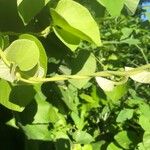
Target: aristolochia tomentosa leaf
27,9
142,77
23,53
75,19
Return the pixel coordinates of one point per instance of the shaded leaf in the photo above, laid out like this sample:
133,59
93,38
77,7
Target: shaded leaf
5,97
28,9
70,40
85,64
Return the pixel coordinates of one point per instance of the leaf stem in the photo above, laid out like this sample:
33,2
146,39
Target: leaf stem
142,51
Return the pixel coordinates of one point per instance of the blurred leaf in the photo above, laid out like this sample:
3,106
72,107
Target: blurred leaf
124,115
146,141
132,5
79,122
126,139
142,77
82,137
144,123
105,84
126,32
118,92
112,146
131,41
113,7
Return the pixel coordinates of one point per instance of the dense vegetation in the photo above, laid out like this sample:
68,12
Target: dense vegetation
74,75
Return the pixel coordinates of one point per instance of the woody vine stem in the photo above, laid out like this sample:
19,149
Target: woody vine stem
122,74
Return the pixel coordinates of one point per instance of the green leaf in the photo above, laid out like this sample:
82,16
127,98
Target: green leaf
37,132
43,56
105,84
144,122
28,9
85,64
125,139
142,77
82,137
131,41
79,122
76,19
5,72
113,7
146,140
124,115
87,147
5,97
126,32
23,53
70,40
118,92
70,97
112,146
141,146
132,5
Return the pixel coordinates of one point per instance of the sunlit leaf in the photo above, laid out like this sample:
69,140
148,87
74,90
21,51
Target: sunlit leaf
124,115
5,72
118,92
105,84
23,53
43,56
76,19
113,7
142,77
132,5
82,137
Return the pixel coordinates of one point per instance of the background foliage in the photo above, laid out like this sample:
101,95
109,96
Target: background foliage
49,38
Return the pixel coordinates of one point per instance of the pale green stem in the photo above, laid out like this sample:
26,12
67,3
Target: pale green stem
33,80
144,56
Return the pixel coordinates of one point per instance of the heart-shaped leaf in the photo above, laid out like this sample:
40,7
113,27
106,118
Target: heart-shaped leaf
23,53
76,19
43,56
